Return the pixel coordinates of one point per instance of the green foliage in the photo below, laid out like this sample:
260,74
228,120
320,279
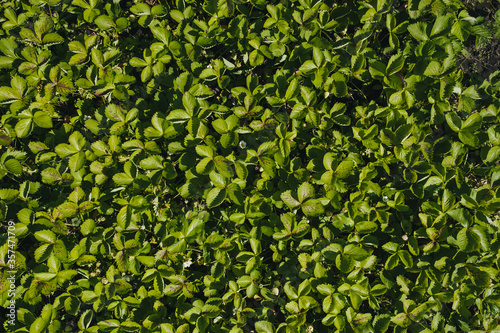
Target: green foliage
235,166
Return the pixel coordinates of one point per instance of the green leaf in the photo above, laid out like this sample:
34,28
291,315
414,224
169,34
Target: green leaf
141,9
205,166
356,252
8,195
289,200
115,113
104,22
13,166
122,179
396,64
108,325
42,119
204,151
381,323
27,34
461,30
467,240
462,216
24,127
50,176
77,140
8,47
454,121
313,207
190,103
220,126
215,197
124,217
308,67
8,95
43,252
223,166
256,58
87,227
68,209
406,258
440,24
361,319
471,92
401,320
448,200
339,85
325,289
38,325
161,34
154,162
419,31
419,312
468,138
472,123
433,69
344,169
235,193
77,161
195,227
89,297
268,165
392,262
305,191
65,150
72,305
366,227
482,236
86,319
53,38
264,327
45,236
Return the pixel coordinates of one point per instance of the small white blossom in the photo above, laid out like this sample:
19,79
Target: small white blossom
385,198
188,263
243,144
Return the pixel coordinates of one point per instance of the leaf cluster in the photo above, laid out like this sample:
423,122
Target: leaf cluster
247,165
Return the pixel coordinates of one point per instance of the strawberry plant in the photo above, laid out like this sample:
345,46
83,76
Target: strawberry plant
248,166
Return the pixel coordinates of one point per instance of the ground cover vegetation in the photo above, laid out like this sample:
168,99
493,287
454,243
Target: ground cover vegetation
250,166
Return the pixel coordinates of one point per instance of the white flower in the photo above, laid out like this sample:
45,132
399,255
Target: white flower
187,263
243,144
385,198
